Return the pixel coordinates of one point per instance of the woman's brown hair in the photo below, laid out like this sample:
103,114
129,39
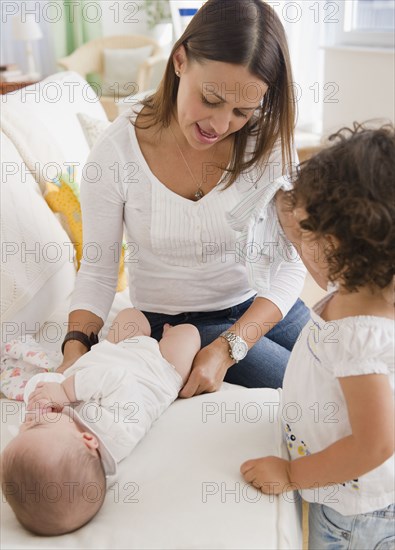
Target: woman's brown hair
247,33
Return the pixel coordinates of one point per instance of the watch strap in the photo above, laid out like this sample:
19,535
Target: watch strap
231,337
87,341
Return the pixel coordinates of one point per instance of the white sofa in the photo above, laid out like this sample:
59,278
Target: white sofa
181,487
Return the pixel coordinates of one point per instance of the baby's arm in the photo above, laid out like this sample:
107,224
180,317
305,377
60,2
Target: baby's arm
370,407
52,395
69,388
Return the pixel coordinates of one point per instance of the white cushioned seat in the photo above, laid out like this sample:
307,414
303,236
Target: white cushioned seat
181,486
41,121
37,268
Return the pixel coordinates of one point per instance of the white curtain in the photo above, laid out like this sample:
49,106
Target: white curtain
305,23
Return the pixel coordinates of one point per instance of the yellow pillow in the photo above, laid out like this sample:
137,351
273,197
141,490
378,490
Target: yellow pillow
62,196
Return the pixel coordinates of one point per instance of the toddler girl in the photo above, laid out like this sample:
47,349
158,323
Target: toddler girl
338,393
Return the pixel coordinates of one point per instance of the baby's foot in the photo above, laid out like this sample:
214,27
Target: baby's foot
166,327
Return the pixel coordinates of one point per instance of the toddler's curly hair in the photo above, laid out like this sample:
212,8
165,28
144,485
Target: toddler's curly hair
348,191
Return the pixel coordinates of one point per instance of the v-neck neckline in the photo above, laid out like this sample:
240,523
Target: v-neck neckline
157,181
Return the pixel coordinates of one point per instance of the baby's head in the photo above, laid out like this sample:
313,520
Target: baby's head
345,196
52,475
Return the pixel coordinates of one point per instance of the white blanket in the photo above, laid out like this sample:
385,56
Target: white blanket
181,487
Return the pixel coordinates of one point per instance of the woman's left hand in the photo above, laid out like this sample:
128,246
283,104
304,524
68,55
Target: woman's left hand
208,369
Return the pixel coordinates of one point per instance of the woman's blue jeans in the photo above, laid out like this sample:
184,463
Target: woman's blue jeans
265,363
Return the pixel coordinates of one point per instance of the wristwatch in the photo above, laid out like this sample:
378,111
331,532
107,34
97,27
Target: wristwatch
237,346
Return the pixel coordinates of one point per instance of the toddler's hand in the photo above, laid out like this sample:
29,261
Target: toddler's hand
49,396
269,474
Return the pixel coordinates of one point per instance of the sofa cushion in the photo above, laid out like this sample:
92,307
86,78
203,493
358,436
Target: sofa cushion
92,127
37,267
181,487
41,121
62,196
121,68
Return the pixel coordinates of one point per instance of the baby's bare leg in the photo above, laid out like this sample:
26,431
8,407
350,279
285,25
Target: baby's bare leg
127,324
179,345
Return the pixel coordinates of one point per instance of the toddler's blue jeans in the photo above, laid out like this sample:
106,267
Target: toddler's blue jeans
329,530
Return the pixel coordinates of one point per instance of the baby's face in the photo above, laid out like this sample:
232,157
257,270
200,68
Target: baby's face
47,420
43,428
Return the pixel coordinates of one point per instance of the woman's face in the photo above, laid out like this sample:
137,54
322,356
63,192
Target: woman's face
215,99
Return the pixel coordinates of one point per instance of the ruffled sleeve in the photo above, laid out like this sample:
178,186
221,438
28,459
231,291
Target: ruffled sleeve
360,345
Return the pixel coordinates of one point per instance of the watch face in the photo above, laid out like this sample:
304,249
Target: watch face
239,350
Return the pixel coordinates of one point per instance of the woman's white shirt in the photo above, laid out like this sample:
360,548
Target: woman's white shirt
181,255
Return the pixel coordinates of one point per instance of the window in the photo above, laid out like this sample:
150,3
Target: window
367,23
182,12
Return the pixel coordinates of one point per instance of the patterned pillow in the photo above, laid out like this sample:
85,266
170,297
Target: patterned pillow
62,196
92,127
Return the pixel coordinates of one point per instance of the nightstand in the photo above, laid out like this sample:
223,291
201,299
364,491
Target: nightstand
7,87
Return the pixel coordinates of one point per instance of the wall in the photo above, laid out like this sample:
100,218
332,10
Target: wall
363,86
123,17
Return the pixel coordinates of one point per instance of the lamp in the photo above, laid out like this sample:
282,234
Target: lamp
28,30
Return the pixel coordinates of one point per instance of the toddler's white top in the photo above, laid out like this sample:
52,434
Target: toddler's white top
314,411
181,255
122,388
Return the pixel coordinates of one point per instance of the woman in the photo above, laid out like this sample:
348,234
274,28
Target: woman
192,173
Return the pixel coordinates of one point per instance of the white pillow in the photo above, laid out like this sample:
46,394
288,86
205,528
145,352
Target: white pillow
121,68
92,127
41,122
37,268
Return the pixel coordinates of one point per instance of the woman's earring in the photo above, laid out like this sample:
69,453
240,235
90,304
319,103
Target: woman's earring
178,73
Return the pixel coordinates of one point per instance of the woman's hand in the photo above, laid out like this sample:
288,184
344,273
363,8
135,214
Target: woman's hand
208,369
269,474
49,396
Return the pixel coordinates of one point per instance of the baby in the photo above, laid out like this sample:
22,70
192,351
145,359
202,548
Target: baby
338,392
78,428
